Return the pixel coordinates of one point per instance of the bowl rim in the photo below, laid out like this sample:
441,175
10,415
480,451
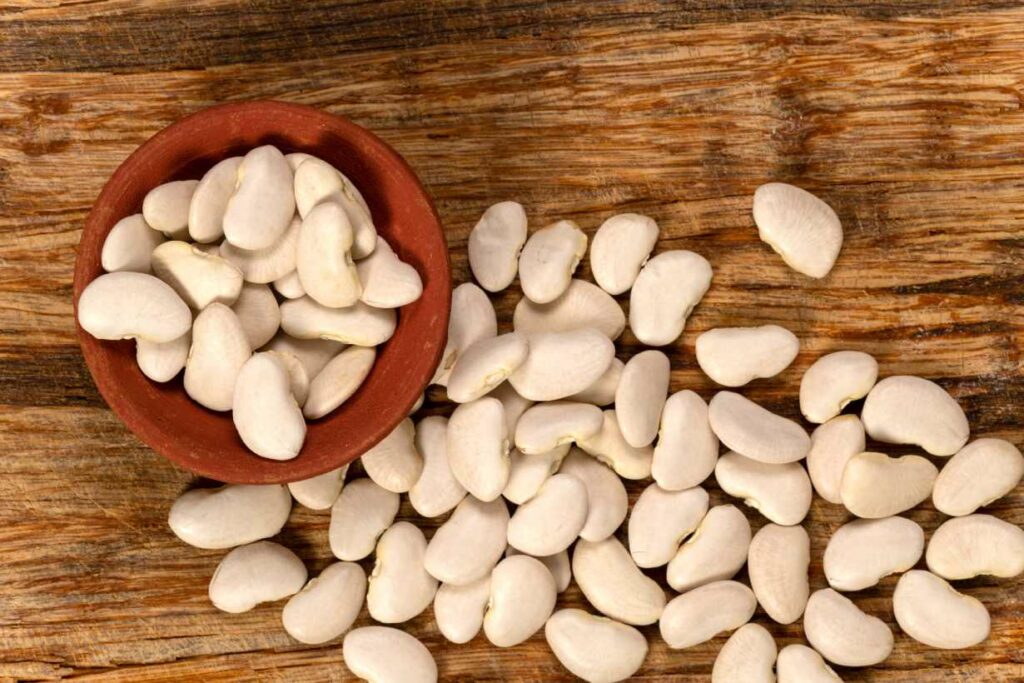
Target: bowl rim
100,221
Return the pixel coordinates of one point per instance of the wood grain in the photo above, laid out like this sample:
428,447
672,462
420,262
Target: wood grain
907,117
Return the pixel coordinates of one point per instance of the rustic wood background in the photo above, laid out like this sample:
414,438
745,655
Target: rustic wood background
907,116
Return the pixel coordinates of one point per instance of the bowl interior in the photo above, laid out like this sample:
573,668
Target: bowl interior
204,441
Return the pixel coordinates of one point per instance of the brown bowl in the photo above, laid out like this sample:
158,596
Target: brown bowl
203,441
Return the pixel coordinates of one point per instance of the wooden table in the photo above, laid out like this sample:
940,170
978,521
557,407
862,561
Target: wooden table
909,120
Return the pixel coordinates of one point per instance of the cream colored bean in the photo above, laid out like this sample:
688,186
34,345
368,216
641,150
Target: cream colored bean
832,445
340,378
842,633
699,615
459,610
582,305
620,248
558,564
912,410
494,245
778,562
716,551
863,552
782,493
602,392
257,310
327,606
547,426
549,259
199,278
295,159
312,353
550,521
400,586
979,474
129,245
466,547
210,200
386,655
734,356
394,463
362,512
607,501
323,258
129,305
437,490
388,281
253,574
613,584
166,207
609,447
875,485
478,447
596,649
219,351
932,612
976,545
747,657
754,432
270,264
801,228
484,365
668,288
472,319
319,492
640,397
660,520
561,364
261,207
229,516
687,447
297,377
798,663
162,362
515,405
289,286
317,182
833,381
527,473
359,324
522,598
264,411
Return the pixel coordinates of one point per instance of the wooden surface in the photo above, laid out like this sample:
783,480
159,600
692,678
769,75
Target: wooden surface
908,117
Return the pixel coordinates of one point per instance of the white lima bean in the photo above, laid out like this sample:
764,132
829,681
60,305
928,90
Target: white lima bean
312,353
289,286
607,500
472,319
549,259
253,574
386,655
166,207
317,182
863,552
602,392
748,656
833,381
199,278
129,245
979,474
614,585
547,426
595,648
798,663
437,491
163,362
550,521
128,305
582,305
782,493
833,443
297,377
609,447
478,447
561,364
261,207
219,350
270,264
323,257
755,432
687,448
620,248
660,520
467,546
875,485
494,245
667,289
911,410
778,562
319,492
264,411
229,516
734,356
358,324
387,280
257,310
210,200
459,610
932,612
523,595
699,615
362,512
842,633
484,365
394,463
327,606
800,227
976,545
338,381
400,587
640,397
558,564
527,473
716,551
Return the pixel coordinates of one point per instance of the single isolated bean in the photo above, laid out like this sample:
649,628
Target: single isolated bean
798,663
494,245
362,512
667,289
129,245
319,492
128,305
264,411
289,286
219,351
327,606
912,410
394,463
687,447
388,281
359,324
620,248
199,278
782,493
548,260
547,426
400,586
437,490
932,612
257,310
640,397
459,610
561,364
875,485
522,598
163,362
801,228
660,520
614,585
229,516
478,447
747,657
597,649
581,305
833,443
754,432
467,546
842,633
338,381
699,615
833,381
527,473
253,574
716,551
863,552
734,356
975,545
210,200
550,521
778,562
166,207
472,319
607,501
386,655
323,257
979,474
261,207
484,365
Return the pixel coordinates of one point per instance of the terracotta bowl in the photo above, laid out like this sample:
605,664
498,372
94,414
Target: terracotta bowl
205,442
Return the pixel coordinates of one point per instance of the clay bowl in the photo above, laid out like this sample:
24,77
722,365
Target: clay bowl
203,441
